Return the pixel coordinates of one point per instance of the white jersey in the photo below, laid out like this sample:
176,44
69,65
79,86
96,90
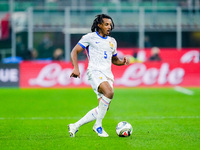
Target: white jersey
100,51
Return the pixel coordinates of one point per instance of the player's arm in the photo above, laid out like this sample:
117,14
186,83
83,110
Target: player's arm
74,59
119,62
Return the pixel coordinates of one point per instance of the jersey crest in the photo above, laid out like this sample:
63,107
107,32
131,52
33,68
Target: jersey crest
111,45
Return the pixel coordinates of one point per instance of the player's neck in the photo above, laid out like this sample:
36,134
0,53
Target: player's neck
101,34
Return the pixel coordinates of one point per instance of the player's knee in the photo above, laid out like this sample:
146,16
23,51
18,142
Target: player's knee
109,94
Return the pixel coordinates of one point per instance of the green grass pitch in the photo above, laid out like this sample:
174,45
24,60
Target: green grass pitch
37,119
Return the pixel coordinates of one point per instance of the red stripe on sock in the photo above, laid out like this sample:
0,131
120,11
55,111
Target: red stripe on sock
104,101
96,111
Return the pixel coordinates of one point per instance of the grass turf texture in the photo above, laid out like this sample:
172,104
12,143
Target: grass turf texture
38,119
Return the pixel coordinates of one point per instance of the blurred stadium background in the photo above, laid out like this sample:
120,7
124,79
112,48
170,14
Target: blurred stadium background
48,29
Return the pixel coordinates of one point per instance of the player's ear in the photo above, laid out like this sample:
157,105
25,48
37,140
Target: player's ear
99,25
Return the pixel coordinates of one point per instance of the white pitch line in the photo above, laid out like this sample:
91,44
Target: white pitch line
183,90
67,118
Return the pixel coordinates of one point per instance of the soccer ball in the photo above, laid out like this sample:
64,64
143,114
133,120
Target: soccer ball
124,129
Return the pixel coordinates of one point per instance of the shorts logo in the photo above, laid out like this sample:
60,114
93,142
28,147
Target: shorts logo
100,77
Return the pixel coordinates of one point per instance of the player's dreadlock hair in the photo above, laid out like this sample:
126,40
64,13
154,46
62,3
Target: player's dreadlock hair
99,20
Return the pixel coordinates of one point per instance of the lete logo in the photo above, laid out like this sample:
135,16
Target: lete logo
53,74
137,74
191,56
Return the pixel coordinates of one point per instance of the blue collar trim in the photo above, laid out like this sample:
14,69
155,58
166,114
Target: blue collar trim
101,36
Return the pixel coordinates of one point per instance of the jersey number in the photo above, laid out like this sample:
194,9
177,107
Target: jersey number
105,55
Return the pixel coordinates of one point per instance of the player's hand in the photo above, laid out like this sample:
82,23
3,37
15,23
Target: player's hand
126,61
75,73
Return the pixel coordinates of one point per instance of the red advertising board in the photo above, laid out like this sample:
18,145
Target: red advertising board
56,75
38,74
158,74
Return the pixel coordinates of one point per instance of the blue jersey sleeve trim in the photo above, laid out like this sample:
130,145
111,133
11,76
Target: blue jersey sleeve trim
81,45
115,55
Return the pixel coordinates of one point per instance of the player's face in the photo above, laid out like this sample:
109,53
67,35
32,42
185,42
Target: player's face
105,27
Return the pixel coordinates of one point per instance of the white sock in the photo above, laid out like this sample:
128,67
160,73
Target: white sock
90,116
103,106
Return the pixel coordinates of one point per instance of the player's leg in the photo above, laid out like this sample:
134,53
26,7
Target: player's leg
96,79
104,101
90,116
106,89
107,94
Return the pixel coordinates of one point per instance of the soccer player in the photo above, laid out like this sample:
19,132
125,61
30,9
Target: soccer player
101,51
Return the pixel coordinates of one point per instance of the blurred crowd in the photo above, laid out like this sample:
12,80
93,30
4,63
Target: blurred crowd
44,51
139,55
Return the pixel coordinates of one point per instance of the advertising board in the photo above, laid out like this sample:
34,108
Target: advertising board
9,75
137,74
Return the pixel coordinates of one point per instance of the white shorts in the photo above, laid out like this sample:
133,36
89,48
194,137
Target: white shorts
96,78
